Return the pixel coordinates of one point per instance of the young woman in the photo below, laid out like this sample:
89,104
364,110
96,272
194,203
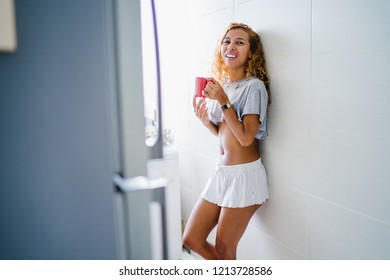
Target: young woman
236,113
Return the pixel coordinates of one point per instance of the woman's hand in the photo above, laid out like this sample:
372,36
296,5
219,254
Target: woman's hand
200,110
213,90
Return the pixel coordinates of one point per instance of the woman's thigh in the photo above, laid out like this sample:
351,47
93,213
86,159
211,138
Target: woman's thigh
203,218
232,224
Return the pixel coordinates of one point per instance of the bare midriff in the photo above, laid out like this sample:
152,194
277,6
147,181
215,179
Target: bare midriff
231,151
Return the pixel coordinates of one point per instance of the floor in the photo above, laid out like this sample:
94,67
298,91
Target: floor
186,256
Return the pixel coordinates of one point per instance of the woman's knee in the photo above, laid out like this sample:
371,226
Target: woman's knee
220,249
188,241
191,242
225,250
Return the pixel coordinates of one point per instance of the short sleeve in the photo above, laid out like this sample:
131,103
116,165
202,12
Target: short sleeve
251,103
254,101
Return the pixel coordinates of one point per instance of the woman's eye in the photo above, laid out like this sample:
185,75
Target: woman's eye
239,43
226,42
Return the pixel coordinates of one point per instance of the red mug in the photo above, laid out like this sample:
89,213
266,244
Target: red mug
200,84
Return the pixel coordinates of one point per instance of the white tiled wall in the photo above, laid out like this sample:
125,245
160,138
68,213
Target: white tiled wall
328,150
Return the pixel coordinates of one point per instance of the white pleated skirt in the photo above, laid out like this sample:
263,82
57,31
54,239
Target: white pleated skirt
237,186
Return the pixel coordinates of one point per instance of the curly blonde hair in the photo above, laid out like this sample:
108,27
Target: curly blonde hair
255,66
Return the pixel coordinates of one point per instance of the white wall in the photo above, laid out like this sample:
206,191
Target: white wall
328,150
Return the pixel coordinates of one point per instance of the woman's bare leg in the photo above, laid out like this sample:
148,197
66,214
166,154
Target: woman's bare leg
203,219
232,224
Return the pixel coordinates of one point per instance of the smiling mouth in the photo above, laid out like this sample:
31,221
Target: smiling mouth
230,56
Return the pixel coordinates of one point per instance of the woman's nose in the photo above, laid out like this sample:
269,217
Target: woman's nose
230,47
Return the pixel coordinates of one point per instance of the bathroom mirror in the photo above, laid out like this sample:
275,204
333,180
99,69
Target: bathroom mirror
151,78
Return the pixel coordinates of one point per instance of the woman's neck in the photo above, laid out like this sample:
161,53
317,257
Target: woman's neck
236,75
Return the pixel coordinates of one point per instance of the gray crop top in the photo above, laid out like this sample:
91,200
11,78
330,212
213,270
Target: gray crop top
247,96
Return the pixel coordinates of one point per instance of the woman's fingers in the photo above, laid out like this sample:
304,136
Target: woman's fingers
200,108
194,103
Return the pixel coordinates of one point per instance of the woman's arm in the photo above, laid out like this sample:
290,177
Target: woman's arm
244,131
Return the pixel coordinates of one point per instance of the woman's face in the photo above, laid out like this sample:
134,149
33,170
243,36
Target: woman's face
235,48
